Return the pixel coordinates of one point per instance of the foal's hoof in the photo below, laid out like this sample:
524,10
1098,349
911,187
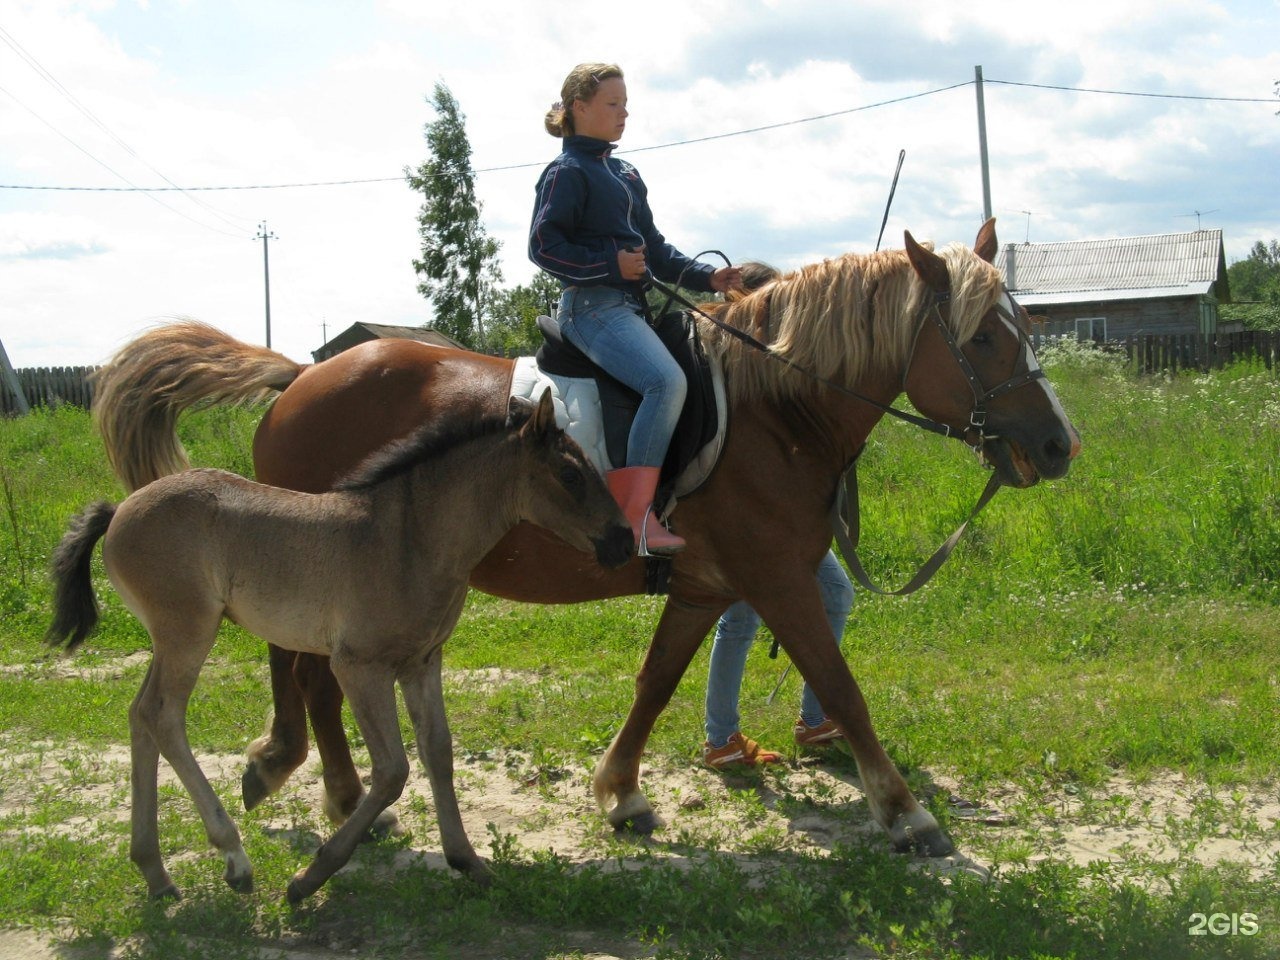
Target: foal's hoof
170,893
299,888
252,787
240,884
931,842
478,873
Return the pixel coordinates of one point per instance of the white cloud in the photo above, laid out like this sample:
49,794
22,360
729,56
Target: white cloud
283,92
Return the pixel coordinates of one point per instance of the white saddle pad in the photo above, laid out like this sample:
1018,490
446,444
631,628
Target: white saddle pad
579,414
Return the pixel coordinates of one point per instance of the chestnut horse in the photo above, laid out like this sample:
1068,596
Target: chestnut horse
938,326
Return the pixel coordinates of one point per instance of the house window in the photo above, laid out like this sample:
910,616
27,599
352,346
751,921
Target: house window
1091,328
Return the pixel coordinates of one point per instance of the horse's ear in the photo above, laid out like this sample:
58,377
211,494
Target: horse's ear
987,246
929,267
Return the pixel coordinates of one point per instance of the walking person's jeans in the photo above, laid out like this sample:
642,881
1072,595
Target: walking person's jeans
734,634
608,326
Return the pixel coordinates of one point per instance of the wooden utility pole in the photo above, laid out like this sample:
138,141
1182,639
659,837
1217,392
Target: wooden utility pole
264,236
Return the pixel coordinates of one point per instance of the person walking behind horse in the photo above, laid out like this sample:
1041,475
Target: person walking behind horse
725,744
593,231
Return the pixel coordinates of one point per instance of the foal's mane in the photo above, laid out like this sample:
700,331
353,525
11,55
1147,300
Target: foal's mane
427,443
843,319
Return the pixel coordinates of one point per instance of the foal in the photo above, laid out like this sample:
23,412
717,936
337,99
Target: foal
372,575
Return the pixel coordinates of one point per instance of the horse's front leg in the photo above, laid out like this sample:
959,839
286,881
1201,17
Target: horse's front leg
682,628
343,789
792,608
276,754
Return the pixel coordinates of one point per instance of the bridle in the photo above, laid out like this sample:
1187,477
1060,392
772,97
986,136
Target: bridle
845,518
1007,308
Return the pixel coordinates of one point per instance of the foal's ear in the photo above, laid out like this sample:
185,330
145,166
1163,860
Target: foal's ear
986,246
929,267
544,417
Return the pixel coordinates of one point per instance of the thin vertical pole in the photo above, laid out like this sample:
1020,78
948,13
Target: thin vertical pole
982,146
13,383
264,236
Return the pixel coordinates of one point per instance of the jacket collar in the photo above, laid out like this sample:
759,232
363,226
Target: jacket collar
597,148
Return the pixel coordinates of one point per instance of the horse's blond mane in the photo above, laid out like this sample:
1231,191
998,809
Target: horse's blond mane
843,319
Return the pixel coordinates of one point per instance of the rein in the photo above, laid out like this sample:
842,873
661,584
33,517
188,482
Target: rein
845,513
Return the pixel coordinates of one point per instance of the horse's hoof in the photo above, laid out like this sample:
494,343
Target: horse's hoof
640,824
932,842
385,825
252,787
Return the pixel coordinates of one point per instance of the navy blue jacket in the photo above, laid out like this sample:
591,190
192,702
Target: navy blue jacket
590,205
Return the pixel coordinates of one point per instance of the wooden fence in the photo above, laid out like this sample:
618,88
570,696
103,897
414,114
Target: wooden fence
49,386
1192,352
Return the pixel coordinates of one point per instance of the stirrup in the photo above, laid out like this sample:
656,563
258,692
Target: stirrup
642,547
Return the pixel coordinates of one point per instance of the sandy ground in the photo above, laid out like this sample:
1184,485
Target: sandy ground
1163,818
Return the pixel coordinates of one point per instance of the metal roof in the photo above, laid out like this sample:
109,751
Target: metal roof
1123,268
1200,289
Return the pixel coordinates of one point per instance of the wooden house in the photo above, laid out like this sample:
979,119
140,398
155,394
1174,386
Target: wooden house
1123,287
363,332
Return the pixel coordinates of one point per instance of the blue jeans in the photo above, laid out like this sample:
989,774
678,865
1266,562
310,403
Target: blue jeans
607,325
734,633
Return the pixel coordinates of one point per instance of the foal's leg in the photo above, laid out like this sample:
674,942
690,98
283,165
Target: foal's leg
160,711
370,687
424,696
792,607
682,628
144,846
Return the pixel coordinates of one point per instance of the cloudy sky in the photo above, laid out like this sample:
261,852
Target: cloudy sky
238,93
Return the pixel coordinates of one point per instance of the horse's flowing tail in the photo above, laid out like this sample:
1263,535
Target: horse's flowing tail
75,610
141,391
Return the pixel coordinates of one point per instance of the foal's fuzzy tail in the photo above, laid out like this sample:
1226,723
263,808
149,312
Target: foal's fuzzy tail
75,610
140,392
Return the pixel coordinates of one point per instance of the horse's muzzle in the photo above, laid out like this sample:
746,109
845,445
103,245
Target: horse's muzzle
616,547
1022,466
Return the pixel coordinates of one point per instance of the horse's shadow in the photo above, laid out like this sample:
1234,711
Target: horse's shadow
827,823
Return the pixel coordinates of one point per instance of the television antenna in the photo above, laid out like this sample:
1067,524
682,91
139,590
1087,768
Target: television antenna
1197,214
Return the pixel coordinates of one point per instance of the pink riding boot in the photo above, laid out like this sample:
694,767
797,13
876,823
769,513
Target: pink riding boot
633,488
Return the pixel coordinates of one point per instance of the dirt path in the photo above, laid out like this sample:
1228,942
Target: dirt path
810,806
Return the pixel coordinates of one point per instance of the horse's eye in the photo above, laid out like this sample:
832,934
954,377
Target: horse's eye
980,339
571,477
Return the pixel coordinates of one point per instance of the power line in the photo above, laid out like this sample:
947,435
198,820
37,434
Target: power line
660,146
132,188
1132,93
12,42
497,169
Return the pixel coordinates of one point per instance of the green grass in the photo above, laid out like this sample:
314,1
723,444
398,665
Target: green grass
1117,623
